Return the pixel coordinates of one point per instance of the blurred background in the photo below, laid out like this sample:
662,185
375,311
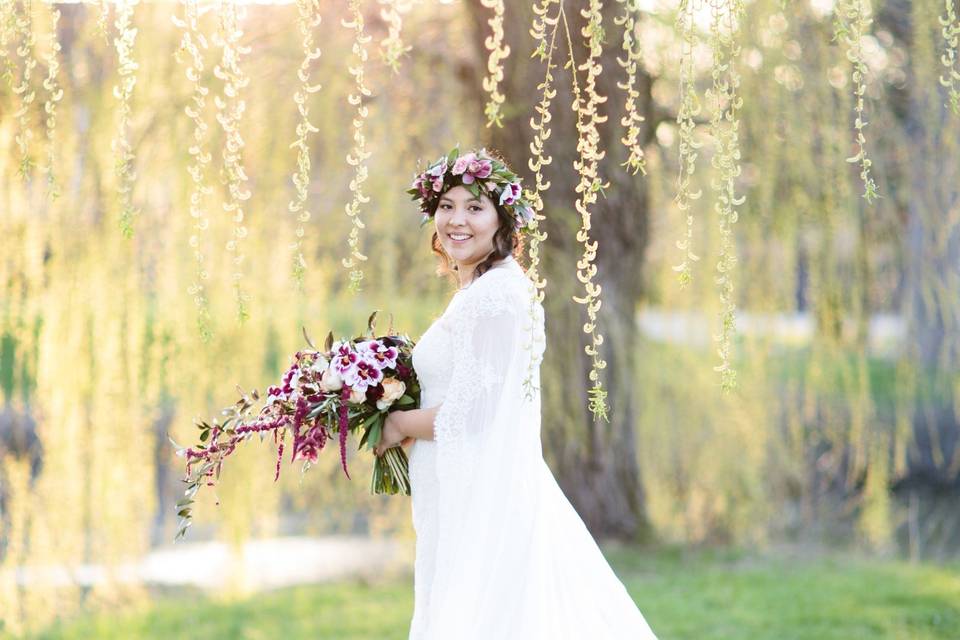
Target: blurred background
819,498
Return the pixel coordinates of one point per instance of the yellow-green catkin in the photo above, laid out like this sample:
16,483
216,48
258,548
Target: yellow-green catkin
357,158
689,109
192,44
498,51
631,62
540,124
308,19
590,183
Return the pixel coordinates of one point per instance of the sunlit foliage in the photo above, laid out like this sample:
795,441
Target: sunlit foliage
23,28
392,47
54,94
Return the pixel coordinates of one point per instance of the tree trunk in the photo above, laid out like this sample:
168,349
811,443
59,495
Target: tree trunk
596,461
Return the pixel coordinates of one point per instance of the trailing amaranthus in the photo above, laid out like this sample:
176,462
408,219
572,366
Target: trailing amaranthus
358,154
631,119
538,159
123,152
724,126
392,47
951,35
230,110
498,51
191,43
307,20
686,125
588,116
55,94
23,28
851,22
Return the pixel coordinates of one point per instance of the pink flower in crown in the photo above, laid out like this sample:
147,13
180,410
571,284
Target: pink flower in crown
384,357
472,167
422,184
344,358
510,193
365,374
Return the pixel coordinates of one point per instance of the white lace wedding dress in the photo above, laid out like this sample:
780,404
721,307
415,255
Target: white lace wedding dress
500,553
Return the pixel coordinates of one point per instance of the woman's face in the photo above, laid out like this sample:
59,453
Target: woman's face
460,214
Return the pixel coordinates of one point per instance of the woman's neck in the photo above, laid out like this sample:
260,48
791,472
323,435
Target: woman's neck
466,272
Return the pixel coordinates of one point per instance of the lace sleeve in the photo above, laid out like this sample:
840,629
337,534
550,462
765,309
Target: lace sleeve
486,337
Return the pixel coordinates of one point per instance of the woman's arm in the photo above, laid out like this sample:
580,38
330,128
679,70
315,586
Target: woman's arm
416,423
402,427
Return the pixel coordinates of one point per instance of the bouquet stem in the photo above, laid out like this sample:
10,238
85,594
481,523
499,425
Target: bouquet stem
391,473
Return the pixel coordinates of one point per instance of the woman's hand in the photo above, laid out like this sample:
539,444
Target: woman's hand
392,434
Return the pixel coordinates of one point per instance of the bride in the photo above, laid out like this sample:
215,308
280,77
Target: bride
501,554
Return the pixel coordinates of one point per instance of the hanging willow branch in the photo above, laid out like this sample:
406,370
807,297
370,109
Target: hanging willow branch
7,34
23,28
230,110
632,118
192,42
686,125
724,126
498,51
358,154
54,95
123,152
307,20
392,47
103,21
851,22
538,160
590,183
951,35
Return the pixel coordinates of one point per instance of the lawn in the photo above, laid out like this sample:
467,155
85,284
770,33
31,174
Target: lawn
684,594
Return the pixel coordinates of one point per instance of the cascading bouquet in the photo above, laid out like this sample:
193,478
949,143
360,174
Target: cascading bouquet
348,387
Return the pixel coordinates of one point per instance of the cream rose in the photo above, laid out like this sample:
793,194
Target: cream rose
331,380
358,395
393,389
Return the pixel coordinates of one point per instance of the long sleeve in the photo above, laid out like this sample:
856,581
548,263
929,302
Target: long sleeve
487,332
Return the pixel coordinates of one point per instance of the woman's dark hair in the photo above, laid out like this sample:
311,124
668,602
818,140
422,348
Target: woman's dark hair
506,241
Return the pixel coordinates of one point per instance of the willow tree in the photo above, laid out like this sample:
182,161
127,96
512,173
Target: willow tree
595,459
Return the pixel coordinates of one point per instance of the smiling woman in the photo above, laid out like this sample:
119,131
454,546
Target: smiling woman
471,230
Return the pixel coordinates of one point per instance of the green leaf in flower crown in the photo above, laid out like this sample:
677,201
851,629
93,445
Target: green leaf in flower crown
453,155
328,343
307,338
474,188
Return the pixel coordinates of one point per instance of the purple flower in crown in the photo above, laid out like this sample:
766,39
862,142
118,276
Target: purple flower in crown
422,184
364,375
344,358
383,356
510,193
472,167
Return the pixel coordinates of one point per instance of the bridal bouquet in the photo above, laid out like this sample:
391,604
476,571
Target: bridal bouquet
348,387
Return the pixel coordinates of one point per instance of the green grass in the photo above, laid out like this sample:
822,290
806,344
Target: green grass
684,594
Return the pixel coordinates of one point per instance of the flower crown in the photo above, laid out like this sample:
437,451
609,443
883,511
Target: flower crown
478,172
